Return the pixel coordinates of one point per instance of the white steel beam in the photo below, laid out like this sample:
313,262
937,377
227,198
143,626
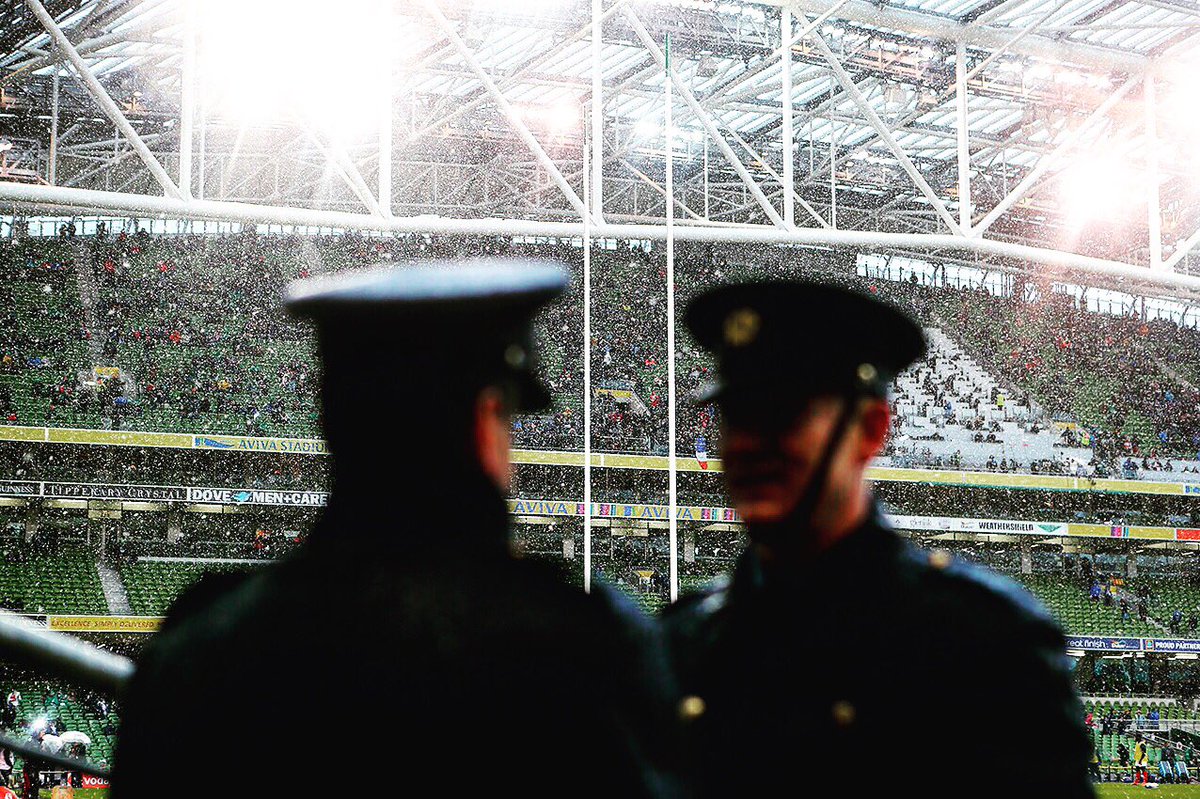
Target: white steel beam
52,172
1048,160
101,97
786,46
1186,247
964,139
787,134
464,107
646,179
505,107
995,12
57,198
187,96
345,168
89,46
999,51
865,12
384,201
1153,204
789,189
885,134
597,155
702,114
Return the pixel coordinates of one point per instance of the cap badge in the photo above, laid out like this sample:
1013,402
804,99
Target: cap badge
867,373
741,327
515,356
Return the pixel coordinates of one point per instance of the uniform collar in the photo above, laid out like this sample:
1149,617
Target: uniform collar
871,543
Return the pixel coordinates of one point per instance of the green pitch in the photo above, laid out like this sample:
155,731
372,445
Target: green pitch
1110,790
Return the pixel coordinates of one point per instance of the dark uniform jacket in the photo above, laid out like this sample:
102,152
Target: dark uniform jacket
430,664
878,665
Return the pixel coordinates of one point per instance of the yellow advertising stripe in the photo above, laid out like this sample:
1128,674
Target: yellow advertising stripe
1089,530
310,446
104,624
1080,530
119,438
11,433
1154,533
609,460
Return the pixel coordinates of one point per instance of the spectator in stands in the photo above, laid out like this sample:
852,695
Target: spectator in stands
442,629
801,425
12,706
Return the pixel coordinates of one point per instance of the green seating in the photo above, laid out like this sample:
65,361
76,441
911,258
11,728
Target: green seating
66,583
153,585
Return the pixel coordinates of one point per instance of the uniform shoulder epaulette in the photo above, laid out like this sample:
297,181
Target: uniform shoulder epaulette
201,595
979,584
704,601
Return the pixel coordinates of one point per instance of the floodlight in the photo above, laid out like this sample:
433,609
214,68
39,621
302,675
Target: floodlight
1098,186
261,61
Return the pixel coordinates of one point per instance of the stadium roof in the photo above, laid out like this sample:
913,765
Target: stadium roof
490,117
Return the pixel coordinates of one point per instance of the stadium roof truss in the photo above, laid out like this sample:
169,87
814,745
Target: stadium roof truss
951,127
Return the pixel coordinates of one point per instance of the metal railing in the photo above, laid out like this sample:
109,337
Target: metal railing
69,658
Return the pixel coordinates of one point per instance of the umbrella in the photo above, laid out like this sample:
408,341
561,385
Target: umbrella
75,737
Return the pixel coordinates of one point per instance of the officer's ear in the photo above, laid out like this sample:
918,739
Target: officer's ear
875,420
493,432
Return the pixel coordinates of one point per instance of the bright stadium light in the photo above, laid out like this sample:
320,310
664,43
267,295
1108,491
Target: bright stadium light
263,61
1098,186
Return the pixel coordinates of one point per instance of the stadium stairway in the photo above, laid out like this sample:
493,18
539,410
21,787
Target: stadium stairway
114,590
86,281
63,583
923,424
155,583
42,700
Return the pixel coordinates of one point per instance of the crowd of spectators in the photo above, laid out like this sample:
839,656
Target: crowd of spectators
189,335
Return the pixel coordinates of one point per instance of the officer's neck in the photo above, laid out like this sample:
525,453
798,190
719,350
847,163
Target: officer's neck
798,542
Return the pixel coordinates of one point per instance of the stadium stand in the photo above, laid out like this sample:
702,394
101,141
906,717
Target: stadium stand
1080,615
211,352
154,584
63,583
48,705
949,411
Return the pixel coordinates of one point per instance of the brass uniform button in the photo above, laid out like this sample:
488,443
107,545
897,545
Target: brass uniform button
514,356
867,373
940,559
741,327
843,713
691,708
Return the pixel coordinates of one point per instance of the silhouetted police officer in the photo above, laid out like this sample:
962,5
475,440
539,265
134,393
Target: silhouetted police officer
403,648
840,661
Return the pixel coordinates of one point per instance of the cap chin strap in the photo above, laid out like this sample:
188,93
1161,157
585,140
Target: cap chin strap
791,532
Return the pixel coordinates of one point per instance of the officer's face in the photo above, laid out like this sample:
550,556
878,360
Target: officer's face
769,462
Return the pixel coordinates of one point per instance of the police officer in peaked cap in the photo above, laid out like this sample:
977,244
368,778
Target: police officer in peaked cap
403,646
839,660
